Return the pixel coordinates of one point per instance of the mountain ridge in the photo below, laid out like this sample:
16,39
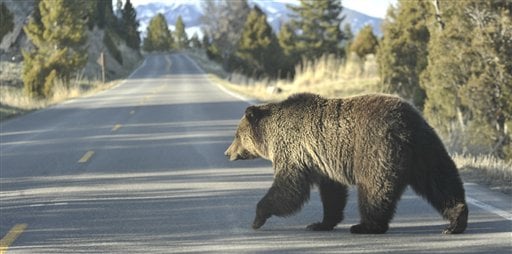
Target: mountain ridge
277,14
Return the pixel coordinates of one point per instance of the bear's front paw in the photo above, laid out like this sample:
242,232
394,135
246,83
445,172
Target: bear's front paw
368,229
320,226
261,215
258,222
261,218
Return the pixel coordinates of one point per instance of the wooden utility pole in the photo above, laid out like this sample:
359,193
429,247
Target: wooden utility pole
101,62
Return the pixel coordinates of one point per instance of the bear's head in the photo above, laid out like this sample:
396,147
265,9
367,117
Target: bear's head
248,143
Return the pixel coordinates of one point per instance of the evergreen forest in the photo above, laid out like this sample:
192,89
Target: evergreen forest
451,59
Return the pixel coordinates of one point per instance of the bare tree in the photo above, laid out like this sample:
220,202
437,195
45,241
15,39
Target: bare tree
223,23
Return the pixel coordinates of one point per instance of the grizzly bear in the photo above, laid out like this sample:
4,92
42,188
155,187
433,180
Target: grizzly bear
379,143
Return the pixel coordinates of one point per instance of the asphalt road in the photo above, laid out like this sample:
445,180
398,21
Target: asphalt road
140,169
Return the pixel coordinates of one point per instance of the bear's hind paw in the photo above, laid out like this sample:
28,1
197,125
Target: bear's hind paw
320,226
460,221
455,228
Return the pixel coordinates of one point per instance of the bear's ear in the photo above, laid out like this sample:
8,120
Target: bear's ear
253,113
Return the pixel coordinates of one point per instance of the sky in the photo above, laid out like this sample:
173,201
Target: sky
374,8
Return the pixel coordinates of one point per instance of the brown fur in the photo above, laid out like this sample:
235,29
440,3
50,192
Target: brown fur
379,143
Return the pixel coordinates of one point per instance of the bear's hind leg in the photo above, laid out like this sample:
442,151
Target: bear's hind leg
376,208
334,199
444,190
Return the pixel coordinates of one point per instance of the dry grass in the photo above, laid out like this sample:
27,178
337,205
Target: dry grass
487,170
13,101
328,76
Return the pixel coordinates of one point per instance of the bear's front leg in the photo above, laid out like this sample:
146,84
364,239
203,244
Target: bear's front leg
262,215
334,199
286,196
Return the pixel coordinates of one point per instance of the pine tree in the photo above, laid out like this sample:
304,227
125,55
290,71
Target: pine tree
195,42
104,13
365,42
348,38
290,57
468,78
258,47
130,26
212,52
6,21
158,36
402,53
180,35
99,13
319,24
58,39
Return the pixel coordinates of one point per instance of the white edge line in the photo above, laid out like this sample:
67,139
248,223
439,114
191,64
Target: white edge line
489,208
238,96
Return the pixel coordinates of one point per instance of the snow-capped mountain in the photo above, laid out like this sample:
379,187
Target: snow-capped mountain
277,14
190,13
358,20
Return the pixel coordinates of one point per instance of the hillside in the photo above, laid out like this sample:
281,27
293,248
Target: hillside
13,42
120,60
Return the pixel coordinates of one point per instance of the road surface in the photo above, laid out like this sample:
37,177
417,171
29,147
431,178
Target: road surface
140,169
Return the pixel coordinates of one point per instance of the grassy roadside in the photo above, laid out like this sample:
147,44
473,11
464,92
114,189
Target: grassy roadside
334,79
328,77
14,102
485,170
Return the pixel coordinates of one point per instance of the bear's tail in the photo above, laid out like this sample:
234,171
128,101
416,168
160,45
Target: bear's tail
437,179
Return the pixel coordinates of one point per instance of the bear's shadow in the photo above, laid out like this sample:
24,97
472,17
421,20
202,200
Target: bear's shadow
485,227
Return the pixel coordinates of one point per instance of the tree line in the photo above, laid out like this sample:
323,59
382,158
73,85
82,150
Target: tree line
240,37
450,58
453,60
160,38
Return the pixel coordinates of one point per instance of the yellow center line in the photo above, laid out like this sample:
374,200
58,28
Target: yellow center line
87,156
116,127
11,236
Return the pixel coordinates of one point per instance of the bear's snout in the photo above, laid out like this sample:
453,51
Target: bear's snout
226,153
236,152
232,156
